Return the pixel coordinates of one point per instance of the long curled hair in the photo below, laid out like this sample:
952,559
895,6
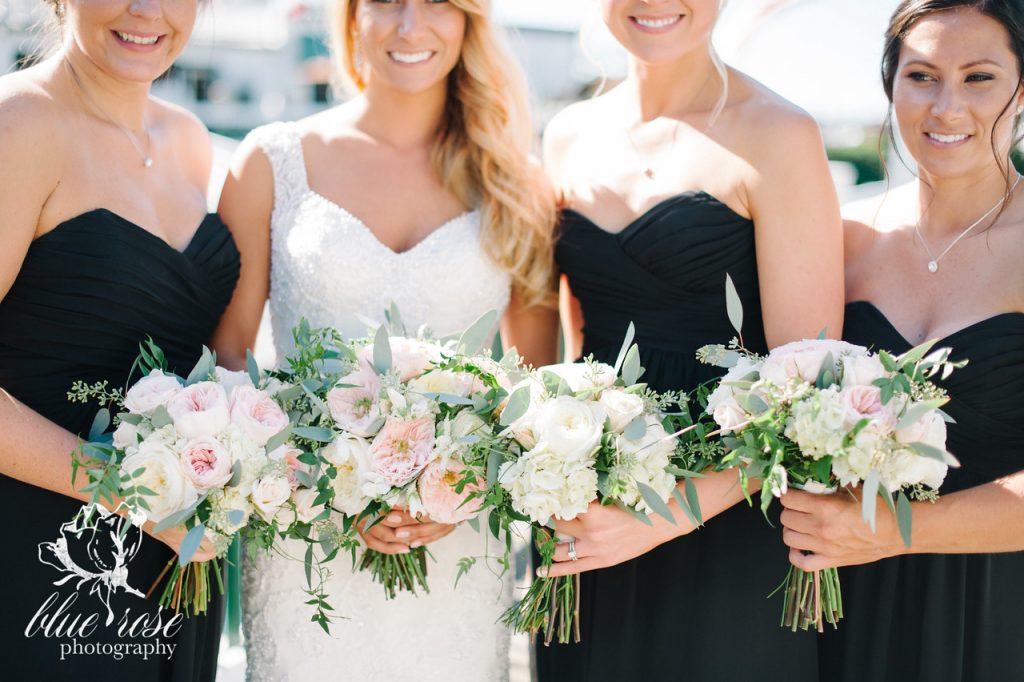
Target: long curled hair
482,149
1009,14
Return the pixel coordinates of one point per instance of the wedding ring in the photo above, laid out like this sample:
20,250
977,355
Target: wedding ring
572,550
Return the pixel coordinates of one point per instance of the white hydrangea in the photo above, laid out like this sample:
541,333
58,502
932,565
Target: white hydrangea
644,461
543,484
816,423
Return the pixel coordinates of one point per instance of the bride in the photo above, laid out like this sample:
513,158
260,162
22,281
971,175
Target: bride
418,190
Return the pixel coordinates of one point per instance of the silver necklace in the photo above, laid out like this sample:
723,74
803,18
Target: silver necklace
648,169
933,261
147,159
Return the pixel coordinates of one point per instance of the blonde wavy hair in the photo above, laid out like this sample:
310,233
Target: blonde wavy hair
482,151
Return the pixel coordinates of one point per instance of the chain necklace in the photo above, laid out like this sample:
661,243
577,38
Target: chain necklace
147,159
933,261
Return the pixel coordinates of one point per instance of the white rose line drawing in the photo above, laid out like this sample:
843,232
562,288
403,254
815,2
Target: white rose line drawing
106,550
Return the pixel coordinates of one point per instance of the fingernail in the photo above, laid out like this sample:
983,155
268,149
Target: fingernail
402,533
416,543
404,550
542,572
394,518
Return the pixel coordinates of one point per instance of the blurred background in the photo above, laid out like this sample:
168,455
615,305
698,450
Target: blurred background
251,62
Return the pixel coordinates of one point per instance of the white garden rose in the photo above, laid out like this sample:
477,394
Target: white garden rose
621,407
929,429
722,404
126,435
466,424
570,427
256,413
268,494
862,370
443,381
163,475
348,455
200,410
151,391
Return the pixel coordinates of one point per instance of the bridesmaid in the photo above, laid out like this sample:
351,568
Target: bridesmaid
101,190
940,259
687,171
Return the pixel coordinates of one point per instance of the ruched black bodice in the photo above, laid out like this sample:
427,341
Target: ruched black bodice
695,608
87,293
950,617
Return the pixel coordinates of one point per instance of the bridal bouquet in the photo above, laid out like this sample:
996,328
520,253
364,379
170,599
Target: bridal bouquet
825,414
581,432
399,416
213,452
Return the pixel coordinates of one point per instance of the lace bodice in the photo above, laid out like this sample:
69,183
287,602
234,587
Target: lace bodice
328,267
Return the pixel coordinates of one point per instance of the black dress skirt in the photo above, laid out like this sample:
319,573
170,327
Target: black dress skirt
88,292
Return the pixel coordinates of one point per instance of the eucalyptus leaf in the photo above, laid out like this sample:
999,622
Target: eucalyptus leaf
518,404
278,439
190,543
869,498
694,500
236,475
395,320
449,398
639,516
904,517
636,429
177,518
203,369
99,424
314,433
917,411
382,351
252,367
474,338
626,343
474,523
650,496
129,418
236,516
494,460
161,418
631,369
733,305
685,506
932,452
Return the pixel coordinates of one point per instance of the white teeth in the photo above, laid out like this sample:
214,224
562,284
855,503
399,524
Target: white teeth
138,40
657,23
411,57
947,139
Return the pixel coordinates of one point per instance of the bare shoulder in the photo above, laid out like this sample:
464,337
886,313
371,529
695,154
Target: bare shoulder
864,219
189,138
771,127
563,130
30,116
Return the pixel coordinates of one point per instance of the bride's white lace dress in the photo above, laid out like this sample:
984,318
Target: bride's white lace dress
328,267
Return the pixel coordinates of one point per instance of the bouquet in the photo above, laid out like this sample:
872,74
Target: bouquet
398,417
825,414
582,432
215,453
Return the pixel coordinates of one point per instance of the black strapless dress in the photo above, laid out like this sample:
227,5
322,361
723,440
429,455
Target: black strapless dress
695,608
949,617
88,292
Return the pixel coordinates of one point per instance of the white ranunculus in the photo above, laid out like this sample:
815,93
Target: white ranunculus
126,436
163,475
570,427
268,494
621,407
151,391
200,410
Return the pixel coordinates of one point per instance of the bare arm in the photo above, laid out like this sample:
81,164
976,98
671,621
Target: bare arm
533,331
799,233
246,204
987,518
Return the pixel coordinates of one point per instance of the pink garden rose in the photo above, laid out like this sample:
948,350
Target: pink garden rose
803,360
437,493
200,410
150,392
290,456
411,357
207,463
402,449
355,408
256,414
865,402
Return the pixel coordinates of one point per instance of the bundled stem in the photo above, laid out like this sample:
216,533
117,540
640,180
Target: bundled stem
397,572
188,588
812,599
